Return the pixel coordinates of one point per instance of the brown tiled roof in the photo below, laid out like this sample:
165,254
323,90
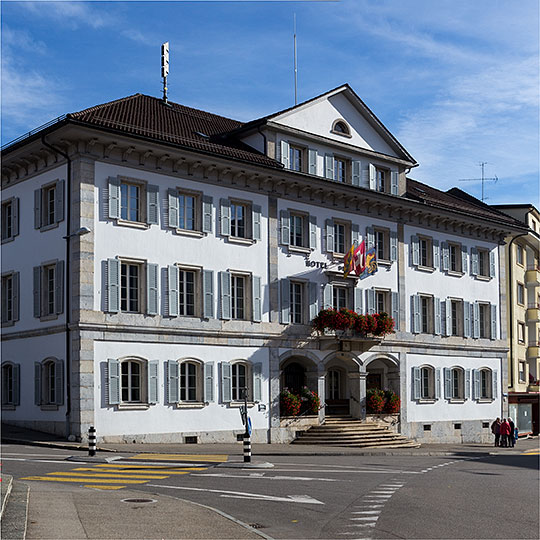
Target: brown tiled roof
150,117
457,200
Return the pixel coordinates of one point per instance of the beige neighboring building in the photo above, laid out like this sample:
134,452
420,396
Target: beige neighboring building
523,290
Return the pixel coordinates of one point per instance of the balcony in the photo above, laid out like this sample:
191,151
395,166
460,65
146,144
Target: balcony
532,277
533,314
533,352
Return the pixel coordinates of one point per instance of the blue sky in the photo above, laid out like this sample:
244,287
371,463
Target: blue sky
457,82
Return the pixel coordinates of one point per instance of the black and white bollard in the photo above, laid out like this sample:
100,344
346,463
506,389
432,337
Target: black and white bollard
247,448
92,441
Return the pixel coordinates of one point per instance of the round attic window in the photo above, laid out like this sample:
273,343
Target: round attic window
341,128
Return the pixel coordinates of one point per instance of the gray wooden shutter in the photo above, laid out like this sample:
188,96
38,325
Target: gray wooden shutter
113,381
438,383
416,388
208,382
467,384
313,232
443,317
172,196
113,285
225,295
365,178
285,222
464,259
476,320
395,309
474,261
370,301
208,294
37,209
37,291
437,316
358,300
15,296
372,177
285,301
152,205
445,257
328,296
436,254
329,227
59,287
370,238
172,381
114,197
393,246
256,221
394,182
152,288
16,373
153,387
329,166
15,217
285,154
59,382
415,251
476,384
355,234
172,290
226,382
312,159
207,208
447,383
495,385
466,319
256,298
37,383
492,264
493,310
225,217
313,300
448,329
257,381
415,314
356,172
59,201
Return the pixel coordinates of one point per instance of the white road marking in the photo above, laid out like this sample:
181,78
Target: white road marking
370,506
369,518
384,491
368,512
303,499
259,476
38,460
360,471
40,455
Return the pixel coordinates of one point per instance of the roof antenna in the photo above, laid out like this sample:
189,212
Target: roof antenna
165,68
482,164
295,66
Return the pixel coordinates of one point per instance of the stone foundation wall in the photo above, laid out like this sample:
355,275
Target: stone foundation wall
445,432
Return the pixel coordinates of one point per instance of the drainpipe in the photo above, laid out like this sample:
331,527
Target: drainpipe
265,141
68,280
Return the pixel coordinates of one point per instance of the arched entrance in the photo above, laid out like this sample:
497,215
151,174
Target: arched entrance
382,372
341,371
294,377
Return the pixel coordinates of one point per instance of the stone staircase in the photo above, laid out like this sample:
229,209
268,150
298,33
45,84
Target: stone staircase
351,432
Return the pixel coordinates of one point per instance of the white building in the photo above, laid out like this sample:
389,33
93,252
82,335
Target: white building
210,246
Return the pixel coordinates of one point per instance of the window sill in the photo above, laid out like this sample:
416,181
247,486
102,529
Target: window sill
44,228
429,269
238,404
6,240
192,234
191,405
426,400
133,406
482,278
485,400
8,407
455,273
300,250
346,135
6,324
339,256
384,262
456,400
241,241
133,224
48,407
51,317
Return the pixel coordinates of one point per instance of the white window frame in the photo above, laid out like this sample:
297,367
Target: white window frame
10,295
427,320
129,388
337,223
10,221
197,291
141,285
458,259
426,262
197,211
457,375
49,382
427,383
483,263
455,318
380,232
521,332
297,309
346,290
520,252
10,385
236,389
486,384
520,293
301,150
246,300
183,379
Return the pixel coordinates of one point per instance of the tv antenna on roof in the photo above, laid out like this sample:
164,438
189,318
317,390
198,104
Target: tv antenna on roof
483,179
295,66
165,68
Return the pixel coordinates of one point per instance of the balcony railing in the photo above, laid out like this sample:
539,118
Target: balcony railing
533,314
532,276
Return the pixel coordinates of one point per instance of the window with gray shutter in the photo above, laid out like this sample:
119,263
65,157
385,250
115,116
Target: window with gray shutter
209,382
172,282
59,288
59,382
285,226
37,291
207,218
16,374
313,300
370,238
358,303
285,301
329,166
437,316
256,221
59,201
372,177
466,319
257,300
393,246
37,383
329,230
370,301
113,285
415,314
312,232
467,384
225,217
113,381
464,258
447,383
226,382
172,197
172,381
312,158
492,264
356,172
495,385
415,251
225,295
114,197
208,294
416,386
475,320
445,258
152,205
436,254
448,313
438,383
474,261
152,288
328,296
37,209
355,233
285,157
365,178
394,182
395,309
493,310
257,382
15,295
153,386
476,384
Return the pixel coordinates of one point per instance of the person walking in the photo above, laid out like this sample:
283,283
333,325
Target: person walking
496,430
505,432
511,436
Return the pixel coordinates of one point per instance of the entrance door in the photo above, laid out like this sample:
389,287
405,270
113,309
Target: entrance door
373,380
335,403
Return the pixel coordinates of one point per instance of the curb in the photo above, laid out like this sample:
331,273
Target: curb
47,444
7,485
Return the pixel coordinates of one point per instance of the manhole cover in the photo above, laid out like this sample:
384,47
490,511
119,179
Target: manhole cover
139,501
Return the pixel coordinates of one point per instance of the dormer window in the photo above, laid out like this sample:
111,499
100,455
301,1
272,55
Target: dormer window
340,127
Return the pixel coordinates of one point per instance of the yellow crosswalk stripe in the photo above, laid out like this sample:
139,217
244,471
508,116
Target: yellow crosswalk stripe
105,487
531,453
154,472
82,480
148,467
105,474
219,458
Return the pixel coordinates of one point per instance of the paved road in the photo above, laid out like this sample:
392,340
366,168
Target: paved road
327,497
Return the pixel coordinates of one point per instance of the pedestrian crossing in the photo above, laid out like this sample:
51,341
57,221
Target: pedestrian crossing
109,476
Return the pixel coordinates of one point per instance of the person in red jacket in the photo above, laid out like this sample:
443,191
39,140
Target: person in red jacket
505,432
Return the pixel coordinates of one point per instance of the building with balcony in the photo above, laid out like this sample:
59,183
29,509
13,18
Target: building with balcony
158,260
523,292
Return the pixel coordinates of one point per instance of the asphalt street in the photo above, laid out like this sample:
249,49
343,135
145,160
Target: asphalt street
327,497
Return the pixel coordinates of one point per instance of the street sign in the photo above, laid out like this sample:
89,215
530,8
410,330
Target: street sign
249,429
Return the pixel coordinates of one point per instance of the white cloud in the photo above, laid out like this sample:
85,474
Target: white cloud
71,14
